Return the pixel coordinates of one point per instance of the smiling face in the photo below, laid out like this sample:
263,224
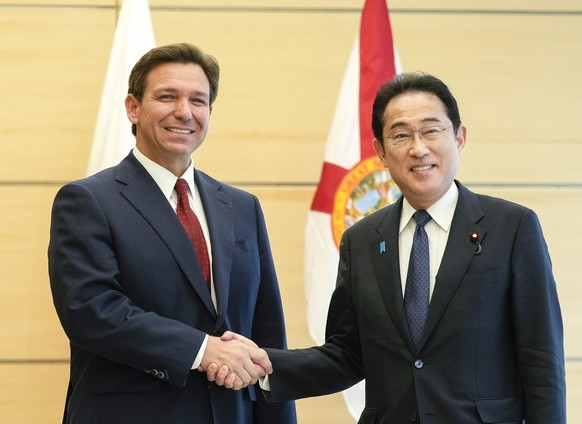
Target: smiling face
423,171
173,117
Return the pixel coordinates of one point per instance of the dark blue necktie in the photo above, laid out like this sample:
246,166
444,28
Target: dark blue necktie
417,291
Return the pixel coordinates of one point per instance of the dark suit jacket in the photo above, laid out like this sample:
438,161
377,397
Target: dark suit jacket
492,350
131,298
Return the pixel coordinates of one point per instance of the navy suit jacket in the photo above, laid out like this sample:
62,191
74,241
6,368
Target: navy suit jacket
492,349
130,295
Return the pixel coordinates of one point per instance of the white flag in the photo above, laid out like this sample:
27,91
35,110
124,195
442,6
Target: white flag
134,36
353,181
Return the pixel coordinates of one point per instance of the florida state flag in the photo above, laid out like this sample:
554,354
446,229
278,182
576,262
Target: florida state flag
353,182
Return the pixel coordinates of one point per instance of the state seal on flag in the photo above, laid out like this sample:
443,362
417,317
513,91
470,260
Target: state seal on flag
365,189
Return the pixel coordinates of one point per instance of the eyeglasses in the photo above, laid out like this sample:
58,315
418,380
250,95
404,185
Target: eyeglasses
429,134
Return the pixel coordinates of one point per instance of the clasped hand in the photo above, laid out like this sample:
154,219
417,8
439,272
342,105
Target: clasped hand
233,361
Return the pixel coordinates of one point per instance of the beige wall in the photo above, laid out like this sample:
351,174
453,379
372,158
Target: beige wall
514,66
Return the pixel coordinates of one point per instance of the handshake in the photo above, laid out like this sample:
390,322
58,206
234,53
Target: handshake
233,361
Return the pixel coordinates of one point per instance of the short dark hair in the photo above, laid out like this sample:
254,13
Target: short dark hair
179,52
410,83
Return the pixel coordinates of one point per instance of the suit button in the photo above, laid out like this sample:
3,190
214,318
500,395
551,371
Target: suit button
413,417
161,375
418,364
148,370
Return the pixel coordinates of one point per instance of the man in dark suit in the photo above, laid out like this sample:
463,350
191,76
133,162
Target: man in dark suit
142,310
489,348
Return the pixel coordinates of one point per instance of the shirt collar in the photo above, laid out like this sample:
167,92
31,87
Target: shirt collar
441,212
164,178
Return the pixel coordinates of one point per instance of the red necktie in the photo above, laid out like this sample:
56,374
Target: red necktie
192,226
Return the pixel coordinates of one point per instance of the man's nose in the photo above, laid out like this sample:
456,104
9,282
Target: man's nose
182,109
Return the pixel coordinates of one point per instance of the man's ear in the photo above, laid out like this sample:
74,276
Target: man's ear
461,138
132,106
380,151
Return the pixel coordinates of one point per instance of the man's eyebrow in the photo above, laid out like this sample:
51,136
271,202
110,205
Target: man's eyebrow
195,93
400,124
201,93
431,119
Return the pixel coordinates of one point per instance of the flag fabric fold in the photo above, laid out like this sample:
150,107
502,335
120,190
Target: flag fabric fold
353,182
134,36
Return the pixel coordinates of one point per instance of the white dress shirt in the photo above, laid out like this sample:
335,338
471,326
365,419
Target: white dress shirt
166,182
437,230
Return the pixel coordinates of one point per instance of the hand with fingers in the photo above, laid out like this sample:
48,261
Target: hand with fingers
233,361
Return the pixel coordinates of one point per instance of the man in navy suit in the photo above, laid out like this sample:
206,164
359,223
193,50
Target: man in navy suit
142,318
490,347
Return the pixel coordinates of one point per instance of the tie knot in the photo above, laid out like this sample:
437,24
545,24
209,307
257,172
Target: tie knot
181,187
421,217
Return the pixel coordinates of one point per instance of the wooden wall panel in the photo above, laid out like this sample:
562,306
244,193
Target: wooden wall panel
58,4
395,5
33,393
53,67
29,326
574,393
273,110
430,5
480,6
514,76
492,81
515,87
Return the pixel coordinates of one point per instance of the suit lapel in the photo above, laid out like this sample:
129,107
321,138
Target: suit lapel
458,254
220,220
385,259
145,196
